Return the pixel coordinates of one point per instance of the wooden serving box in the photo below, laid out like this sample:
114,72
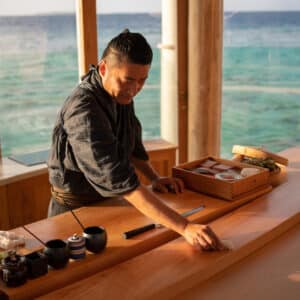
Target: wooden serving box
228,190
276,176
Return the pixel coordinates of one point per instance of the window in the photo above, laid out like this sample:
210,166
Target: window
261,79
39,66
38,69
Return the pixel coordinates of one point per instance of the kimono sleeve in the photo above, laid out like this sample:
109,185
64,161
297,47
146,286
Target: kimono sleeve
97,152
139,150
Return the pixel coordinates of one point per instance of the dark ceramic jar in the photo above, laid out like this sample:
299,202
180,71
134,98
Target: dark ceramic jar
37,264
57,253
14,270
95,238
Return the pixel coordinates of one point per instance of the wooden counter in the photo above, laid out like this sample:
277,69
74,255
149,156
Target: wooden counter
116,216
174,268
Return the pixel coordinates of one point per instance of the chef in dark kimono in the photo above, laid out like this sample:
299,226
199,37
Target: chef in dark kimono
97,144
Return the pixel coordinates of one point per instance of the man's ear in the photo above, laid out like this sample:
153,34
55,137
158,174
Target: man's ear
102,68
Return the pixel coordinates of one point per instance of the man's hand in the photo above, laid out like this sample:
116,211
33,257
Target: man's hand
202,237
168,184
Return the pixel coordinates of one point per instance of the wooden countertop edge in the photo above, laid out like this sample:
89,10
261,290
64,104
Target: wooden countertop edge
12,171
22,176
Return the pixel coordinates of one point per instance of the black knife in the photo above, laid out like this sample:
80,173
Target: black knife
131,233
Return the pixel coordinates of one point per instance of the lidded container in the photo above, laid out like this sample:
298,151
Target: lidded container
14,269
76,246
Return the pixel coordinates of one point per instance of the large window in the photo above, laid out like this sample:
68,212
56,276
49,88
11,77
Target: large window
261,79
38,68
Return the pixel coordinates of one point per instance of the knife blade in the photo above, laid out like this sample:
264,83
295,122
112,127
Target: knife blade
131,233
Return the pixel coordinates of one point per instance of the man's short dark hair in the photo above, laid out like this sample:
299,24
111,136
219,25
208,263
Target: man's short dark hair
129,47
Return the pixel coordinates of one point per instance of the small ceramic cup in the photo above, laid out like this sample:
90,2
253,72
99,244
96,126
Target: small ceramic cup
95,238
57,253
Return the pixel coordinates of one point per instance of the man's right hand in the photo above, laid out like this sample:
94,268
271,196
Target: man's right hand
202,237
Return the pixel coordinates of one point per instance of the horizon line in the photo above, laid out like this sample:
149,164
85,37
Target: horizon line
139,12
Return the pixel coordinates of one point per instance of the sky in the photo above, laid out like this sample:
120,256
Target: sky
30,7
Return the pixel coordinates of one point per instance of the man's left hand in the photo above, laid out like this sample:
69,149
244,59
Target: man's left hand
168,184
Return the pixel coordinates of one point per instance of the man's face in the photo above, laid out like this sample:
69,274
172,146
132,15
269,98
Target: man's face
124,80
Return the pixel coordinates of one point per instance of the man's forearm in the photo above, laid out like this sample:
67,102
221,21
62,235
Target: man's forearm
198,235
146,168
147,203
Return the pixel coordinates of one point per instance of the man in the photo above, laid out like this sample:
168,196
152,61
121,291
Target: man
97,144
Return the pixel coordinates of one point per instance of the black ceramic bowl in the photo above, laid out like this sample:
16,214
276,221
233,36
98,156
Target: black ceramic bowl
95,238
57,253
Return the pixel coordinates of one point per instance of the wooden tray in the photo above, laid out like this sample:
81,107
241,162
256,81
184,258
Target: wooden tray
229,190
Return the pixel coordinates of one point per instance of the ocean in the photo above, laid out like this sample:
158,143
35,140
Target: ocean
261,77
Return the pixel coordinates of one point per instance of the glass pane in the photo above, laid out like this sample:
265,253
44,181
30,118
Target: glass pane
261,80
147,102
38,68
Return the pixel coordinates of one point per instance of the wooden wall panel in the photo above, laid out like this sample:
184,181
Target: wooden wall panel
28,200
4,219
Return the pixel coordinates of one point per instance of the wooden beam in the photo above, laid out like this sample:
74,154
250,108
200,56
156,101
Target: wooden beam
4,212
169,70
86,34
205,77
182,46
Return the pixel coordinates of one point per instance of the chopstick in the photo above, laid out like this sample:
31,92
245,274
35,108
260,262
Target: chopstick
37,238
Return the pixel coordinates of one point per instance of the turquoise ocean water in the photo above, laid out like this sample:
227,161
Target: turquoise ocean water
261,77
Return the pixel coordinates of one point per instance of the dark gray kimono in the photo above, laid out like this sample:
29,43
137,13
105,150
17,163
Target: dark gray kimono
93,141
